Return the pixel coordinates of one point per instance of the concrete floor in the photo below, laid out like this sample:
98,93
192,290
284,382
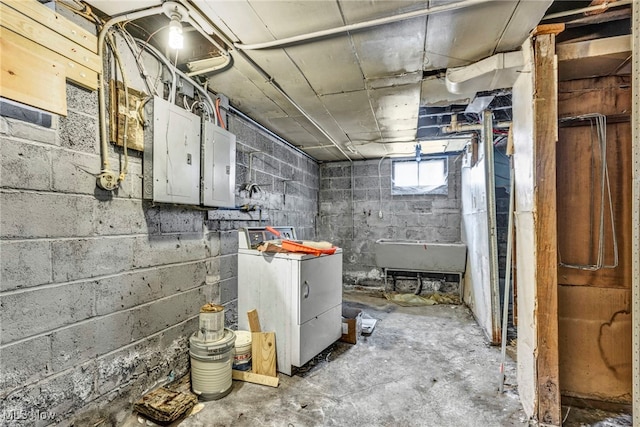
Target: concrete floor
427,366
421,366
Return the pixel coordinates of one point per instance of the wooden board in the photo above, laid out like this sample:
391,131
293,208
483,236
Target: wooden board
55,22
252,377
554,29
76,73
254,321
546,262
263,353
22,78
118,115
27,27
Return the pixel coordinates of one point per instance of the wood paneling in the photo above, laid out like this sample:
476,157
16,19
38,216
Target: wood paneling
40,50
55,22
595,306
76,73
595,343
579,185
22,78
33,30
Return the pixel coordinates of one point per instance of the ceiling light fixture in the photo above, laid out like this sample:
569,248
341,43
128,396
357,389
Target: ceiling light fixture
176,39
177,13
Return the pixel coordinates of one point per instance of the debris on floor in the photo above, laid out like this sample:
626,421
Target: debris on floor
368,323
412,300
165,406
351,324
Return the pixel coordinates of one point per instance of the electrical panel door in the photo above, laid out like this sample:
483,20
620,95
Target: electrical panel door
176,154
218,166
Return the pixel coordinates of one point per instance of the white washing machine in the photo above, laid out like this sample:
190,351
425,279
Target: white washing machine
298,296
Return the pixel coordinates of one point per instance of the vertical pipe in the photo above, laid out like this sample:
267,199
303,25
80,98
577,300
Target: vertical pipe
635,149
507,274
494,278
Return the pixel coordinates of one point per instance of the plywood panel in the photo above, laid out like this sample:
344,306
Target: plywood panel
475,223
595,319
22,78
579,186
595,332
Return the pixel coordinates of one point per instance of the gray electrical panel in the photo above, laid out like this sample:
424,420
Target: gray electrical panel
218,166
176,154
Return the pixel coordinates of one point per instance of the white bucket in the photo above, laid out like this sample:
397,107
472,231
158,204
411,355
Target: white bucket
211,366
242,354
211,327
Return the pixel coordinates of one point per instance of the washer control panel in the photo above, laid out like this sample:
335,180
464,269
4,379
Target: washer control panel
252,237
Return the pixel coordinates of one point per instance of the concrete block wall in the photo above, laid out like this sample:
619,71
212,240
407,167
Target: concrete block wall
288,179
355,222
98,291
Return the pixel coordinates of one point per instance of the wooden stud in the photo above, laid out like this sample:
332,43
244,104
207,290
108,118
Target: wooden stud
251,377
544,29
545,227
263,353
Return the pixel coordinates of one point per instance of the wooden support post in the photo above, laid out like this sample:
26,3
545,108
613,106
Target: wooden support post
545,223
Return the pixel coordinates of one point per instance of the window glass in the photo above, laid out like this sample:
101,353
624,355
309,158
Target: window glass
429,176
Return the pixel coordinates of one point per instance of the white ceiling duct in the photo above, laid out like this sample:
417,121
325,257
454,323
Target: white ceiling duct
495,72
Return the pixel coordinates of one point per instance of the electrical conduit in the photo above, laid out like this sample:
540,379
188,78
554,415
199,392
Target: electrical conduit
361,25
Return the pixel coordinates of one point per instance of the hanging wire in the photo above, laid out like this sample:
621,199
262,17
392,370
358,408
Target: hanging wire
116,54
133,48
219,115
600,128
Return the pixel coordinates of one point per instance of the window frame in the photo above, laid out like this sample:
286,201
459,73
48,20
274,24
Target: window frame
434,189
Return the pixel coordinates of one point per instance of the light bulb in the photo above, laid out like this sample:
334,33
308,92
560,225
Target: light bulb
176,39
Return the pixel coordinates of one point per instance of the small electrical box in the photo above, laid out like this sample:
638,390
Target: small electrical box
218,166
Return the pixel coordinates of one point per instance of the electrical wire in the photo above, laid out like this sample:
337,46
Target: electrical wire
208,102
146,42
600,122
220,115
81,9
131,44
116,54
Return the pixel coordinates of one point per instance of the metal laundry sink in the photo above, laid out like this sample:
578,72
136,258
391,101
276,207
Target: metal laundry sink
420,255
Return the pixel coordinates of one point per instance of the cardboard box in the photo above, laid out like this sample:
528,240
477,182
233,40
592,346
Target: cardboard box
351,324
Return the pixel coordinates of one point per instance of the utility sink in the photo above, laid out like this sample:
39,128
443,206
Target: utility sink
420,255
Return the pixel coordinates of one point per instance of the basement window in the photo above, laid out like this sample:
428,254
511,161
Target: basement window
428,176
